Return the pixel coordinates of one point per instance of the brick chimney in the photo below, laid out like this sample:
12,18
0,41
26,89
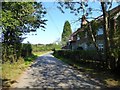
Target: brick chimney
84,21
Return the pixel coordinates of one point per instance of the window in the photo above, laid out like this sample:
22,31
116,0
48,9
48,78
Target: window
100,46
100,31
78,37
85,34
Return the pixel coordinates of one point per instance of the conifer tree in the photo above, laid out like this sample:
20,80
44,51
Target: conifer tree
67,31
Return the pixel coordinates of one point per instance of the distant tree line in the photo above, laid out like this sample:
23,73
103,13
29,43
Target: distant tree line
47,47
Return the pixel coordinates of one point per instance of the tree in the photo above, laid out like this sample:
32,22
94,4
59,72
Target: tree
19,18
110,23
67,31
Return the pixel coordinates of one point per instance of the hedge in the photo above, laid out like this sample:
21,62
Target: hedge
78,55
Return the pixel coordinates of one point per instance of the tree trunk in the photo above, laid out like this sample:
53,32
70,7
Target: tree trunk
96,45
93,37
106,34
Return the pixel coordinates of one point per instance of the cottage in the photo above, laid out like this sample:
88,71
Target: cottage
80,38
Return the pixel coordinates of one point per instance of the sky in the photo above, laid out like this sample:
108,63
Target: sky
55,23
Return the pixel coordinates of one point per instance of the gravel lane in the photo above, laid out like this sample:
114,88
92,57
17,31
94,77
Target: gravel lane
49,72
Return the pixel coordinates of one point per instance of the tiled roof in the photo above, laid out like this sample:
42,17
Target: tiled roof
77,31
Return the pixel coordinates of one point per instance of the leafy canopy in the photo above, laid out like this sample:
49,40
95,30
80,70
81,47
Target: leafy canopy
24,16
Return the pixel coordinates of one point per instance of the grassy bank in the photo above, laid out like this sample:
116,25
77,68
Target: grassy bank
104,76
40,53
11,72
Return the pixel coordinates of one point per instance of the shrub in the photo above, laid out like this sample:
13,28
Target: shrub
26,50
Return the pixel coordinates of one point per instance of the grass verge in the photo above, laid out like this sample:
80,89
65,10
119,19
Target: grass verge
11,72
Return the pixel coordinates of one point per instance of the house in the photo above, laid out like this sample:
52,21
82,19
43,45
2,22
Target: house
76,41
80,38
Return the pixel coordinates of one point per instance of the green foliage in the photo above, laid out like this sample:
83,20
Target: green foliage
21,13
67,31
13,14
117,33
82,34
19,18
29,59
26,50
115,49
95,25
78,55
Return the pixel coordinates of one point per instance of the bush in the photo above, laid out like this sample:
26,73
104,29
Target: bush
26,50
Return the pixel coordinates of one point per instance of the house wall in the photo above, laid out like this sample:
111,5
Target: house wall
100,38
83,42
91,47
84,46
73,46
